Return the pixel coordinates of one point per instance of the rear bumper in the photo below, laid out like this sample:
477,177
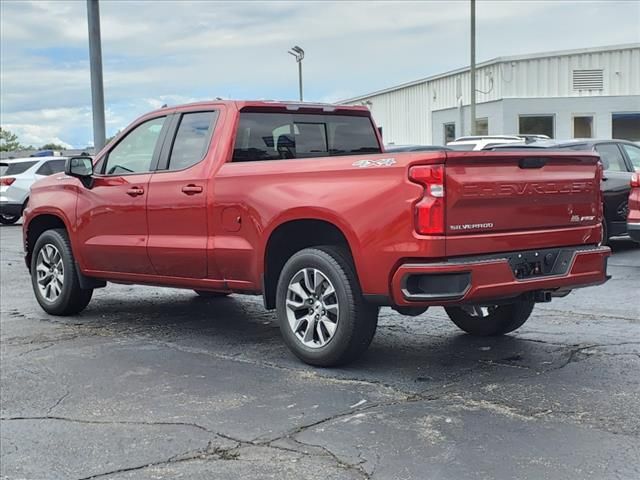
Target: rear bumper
476,279
634,230
7,208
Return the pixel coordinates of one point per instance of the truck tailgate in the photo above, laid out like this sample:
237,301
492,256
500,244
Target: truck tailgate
495,194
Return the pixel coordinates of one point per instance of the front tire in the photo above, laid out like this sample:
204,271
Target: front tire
54,277
323,316
492,320
9,219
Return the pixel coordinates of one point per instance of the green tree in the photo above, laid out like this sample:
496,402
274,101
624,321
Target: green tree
9,141
52,146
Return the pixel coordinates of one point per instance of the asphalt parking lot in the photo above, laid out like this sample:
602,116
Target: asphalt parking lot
156,383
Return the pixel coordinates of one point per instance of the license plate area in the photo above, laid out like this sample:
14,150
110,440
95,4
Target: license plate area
540,263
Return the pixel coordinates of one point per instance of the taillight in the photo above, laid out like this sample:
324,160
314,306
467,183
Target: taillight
6,181
635,181
429,210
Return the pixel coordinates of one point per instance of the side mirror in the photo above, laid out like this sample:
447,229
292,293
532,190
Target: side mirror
80,167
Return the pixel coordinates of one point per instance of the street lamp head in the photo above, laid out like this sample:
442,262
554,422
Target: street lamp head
297,52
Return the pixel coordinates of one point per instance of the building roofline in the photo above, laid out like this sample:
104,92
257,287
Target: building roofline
512,58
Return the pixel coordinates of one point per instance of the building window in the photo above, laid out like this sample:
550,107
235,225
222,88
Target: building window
626,126
449,132
482,126
583,126
537,125
588,79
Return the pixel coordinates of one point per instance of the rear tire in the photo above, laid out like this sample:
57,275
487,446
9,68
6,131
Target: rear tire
9,219
496,320
54,277
208,294
323,317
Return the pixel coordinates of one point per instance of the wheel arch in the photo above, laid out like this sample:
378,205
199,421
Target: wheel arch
36,226
292,235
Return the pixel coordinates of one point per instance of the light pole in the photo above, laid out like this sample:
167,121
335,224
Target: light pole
472,69
95,61
298,53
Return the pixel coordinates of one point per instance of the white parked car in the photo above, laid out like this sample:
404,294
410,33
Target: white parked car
482,142
16,177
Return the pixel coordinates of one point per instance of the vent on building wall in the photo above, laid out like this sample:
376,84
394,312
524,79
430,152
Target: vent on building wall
588,79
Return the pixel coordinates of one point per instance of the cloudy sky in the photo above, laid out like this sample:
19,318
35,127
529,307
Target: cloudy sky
174,52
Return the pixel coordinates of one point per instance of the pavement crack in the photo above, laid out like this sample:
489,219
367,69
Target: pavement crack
58,402
353,467
574,352
209,452
104,422
589,315
309,373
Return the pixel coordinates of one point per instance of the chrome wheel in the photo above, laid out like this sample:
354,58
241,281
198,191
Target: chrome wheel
312,308
50,272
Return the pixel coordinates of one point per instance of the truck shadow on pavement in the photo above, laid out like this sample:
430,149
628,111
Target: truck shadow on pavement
421,349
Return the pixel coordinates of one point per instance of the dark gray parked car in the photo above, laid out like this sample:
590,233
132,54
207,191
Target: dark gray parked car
620,159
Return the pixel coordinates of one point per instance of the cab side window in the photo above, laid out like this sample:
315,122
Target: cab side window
192,139
611,157
134,153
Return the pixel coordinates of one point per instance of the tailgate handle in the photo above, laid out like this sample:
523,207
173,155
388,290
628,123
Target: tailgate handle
533,162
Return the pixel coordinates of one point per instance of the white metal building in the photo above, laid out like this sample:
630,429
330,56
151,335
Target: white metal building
592,92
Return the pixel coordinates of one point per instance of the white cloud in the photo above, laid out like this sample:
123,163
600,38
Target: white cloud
37,135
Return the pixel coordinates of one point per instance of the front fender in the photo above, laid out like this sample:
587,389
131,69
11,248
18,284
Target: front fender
56,200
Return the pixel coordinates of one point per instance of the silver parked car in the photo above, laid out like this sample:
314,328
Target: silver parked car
16,177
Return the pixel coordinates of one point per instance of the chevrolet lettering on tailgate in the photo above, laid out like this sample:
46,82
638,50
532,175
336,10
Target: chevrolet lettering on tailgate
503,189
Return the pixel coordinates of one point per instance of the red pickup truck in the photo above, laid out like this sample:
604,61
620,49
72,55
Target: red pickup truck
300,203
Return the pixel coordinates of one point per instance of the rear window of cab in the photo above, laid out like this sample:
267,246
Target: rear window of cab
285,136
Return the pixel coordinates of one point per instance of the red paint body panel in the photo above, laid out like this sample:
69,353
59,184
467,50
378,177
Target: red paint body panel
178,230
217,238
634,205
111,229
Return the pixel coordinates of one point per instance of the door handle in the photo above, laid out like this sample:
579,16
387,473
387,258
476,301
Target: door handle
191,189
135,191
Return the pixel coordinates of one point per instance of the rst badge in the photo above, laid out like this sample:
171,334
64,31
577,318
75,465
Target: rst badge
583,218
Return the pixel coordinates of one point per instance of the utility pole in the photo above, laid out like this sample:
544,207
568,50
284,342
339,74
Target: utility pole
298,53
472,70
95,61
300,78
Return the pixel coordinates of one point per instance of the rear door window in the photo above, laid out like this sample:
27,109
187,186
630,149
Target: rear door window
611,156
192,139
283,136
18,168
